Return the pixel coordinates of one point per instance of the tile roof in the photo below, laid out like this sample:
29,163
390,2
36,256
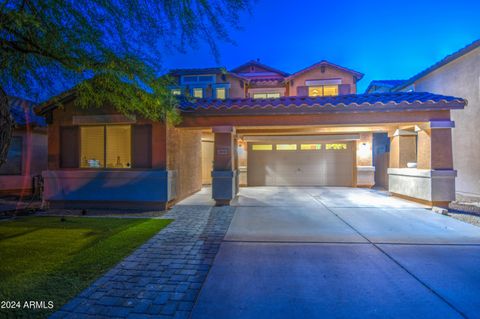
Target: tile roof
449,58
342,103
23,112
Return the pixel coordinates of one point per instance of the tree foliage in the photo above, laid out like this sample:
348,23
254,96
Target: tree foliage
118,45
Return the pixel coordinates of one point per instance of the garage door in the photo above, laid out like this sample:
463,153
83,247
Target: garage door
300,164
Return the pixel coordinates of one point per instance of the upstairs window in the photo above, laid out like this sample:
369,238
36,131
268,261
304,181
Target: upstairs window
192,79
220,93
197,93
271,95
323,90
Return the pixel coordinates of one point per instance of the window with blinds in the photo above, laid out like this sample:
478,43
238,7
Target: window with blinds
105,146
92,146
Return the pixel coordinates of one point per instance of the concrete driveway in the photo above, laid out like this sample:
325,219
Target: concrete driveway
340,253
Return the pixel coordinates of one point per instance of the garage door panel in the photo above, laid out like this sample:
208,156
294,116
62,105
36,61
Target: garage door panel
321,167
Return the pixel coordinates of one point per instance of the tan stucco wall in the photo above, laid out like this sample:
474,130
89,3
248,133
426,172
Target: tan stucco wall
237,88
184,154
461,78
316,74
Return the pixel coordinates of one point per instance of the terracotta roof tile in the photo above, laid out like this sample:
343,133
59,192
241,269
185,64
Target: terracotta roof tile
351,102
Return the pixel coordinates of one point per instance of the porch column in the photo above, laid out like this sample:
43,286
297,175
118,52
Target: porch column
224,174
403,148
365,168
433,180
435,146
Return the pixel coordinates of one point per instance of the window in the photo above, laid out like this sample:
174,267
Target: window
308,147
221,93
323,90
262,147
286,147
197,79
105,146
92,146
336,146
198,93
271,95
13,165
176,91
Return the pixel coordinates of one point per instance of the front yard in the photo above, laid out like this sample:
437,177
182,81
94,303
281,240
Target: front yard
46,259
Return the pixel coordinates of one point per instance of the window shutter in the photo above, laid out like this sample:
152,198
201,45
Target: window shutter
69,147
343,89
141,146
302,90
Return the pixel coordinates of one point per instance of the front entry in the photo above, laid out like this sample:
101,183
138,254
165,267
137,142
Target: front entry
301,164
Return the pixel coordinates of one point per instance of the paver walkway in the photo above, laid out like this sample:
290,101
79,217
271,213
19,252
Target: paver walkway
163,277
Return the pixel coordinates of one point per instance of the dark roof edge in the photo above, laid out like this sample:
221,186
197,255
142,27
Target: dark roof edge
446,60
264,66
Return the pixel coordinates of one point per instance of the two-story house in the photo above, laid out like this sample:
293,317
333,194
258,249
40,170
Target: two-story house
253,125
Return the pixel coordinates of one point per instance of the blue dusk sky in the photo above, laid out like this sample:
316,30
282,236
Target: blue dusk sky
382,39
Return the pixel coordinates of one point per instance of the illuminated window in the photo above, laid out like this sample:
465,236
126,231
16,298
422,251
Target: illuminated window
323,90
308,147
336,146
198,93
176,91
105,146
330,90
262,147
286,147
118,148
92,146
221,93
271,95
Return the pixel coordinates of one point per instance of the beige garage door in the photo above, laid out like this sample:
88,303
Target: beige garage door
300,164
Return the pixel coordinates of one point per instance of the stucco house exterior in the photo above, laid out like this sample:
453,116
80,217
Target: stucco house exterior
251,126
459,75
27,154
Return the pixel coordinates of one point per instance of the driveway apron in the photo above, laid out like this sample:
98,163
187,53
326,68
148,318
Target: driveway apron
341,253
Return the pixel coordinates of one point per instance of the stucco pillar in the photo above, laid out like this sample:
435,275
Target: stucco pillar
365,168
224,174
403,148
435,146
433,180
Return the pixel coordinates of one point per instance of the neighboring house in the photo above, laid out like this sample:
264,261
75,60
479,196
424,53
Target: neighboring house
379,86
253,125
27,154
459,75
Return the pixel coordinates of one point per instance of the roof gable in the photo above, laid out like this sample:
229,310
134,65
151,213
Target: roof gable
358,75
261,69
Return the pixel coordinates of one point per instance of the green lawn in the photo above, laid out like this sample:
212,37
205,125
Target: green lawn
43,258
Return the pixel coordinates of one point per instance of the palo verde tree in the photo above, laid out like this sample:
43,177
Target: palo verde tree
109,50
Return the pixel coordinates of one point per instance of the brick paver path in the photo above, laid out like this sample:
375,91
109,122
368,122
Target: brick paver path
163,277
